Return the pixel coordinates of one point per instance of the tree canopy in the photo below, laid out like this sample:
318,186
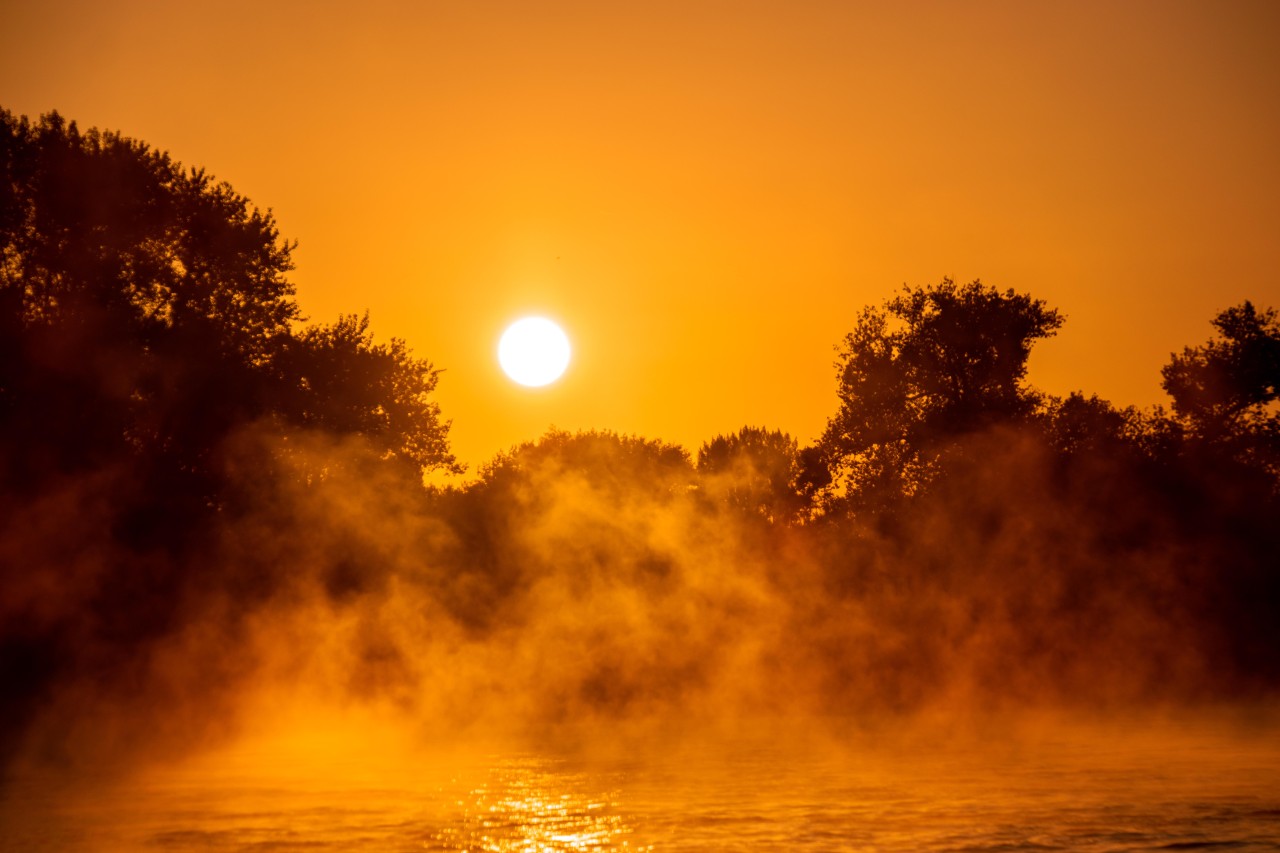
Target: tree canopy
606,462
757,472
931,364
146,312
1224,391
98,228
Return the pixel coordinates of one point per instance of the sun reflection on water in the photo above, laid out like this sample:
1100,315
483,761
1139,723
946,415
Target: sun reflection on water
1179,790
536,806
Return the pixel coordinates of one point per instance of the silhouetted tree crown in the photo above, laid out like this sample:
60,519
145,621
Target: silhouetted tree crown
341,381
755,472
1224,391
933,363
146,312
98,228
605,461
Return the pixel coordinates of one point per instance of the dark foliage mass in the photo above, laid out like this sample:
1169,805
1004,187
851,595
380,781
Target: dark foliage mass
202,497
933,366
147,325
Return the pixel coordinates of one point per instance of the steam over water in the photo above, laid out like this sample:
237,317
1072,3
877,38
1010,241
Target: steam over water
1140,790
233,618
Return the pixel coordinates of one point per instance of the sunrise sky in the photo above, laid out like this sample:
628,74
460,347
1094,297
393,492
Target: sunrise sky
705,194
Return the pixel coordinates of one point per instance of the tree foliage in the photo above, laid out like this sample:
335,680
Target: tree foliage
756,473
155,377
146,313
1077,426
607,462
1224,391
932,364
341,381
100,229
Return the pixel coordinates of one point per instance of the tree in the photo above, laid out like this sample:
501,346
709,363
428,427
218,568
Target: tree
932,365
130,290
610,465
146,313
149,335
342,382
98,224
1077,425
1225,391
579,501
755,472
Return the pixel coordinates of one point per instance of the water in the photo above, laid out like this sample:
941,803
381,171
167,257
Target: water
1129,792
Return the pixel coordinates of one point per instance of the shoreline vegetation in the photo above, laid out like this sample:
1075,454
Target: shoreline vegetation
207,505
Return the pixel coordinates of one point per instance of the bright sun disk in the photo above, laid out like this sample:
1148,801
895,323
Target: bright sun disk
533,351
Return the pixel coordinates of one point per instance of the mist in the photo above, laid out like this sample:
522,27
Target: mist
587,583
214,524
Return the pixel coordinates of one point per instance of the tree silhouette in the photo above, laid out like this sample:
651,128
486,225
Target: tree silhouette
1079,426
95,223
934,363
149,334
1224,391
567,497
340,381
126,283
755,473
147,312
606,462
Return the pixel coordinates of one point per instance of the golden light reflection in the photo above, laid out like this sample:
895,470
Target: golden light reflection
536,806
1143,786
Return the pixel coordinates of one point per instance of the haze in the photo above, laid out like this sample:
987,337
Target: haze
708,193
915,483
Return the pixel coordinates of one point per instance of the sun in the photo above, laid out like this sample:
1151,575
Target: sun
533,351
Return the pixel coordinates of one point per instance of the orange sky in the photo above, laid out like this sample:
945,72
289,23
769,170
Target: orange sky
706,193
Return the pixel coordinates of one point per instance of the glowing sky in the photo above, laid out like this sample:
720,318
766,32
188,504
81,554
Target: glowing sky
705,194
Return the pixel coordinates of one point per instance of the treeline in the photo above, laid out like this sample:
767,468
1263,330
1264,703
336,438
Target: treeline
201,494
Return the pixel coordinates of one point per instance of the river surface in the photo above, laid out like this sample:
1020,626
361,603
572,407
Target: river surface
1120,792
